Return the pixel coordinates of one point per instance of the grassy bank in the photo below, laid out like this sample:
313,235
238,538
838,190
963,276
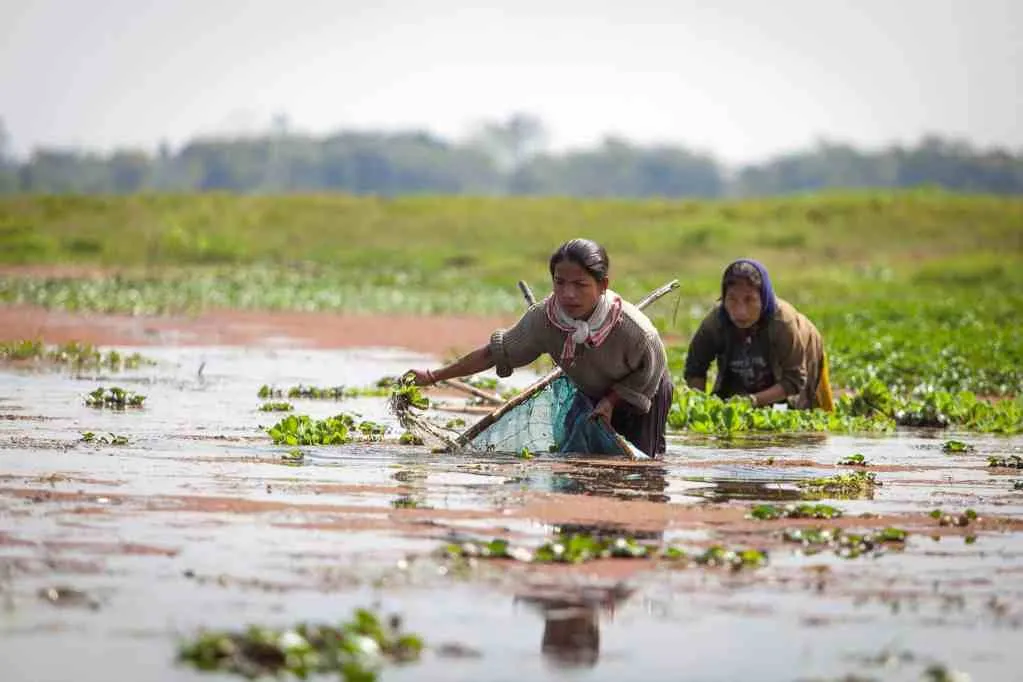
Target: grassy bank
910,288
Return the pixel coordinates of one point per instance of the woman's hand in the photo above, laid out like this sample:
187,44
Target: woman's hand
604,409
421,377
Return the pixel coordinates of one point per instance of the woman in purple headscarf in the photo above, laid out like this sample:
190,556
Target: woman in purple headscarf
763,346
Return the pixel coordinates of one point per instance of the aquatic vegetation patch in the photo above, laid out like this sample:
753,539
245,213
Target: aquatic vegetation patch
703,413
855,460
293,457
327,393
769,512
74,355
278,406
845,544
963,519
928,407
577,548
956,447
114,397
109,439
409,438
1010,462
852,484
356,650
342,428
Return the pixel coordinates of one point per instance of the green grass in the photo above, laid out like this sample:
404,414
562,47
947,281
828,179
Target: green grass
919,290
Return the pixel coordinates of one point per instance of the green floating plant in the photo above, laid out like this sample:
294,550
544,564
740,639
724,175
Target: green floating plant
337,430
769,512
1010,462
577,548
356,650
409,438
963,519
855,460
845,544
276,407
114,397
956,447
75,355
852,484
109,439
702,413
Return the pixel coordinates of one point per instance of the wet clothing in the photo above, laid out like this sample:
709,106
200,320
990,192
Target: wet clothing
783,347
630,360
646,430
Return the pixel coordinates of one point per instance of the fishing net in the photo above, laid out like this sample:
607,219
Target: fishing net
557,418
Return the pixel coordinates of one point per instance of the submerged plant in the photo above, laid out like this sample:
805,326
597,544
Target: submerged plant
769,512
114,397
356,650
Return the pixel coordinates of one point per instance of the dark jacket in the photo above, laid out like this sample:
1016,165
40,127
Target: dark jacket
796,351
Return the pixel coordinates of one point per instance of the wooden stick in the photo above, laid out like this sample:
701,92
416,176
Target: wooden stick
460,409
462,386
527,293
544,381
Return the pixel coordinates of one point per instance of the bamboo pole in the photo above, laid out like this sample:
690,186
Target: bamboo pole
477,428
464,387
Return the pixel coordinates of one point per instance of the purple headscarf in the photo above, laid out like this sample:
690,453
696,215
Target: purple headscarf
768,301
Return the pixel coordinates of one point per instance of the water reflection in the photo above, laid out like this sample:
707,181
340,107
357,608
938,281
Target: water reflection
723,490
571,632
621,481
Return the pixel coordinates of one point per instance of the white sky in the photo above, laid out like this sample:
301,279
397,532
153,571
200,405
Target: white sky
739,78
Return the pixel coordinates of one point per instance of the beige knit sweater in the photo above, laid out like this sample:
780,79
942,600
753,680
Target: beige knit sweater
631,360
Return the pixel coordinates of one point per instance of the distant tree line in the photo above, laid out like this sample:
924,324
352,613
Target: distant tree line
506,157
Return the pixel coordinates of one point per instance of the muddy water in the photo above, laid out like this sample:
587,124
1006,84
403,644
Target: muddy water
196,524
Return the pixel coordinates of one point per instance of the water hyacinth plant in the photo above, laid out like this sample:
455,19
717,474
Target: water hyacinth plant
577,548
340,429
845,544
769,512
702,413
109,439
276,406
356,650
852,484
855,460
74,355
114,397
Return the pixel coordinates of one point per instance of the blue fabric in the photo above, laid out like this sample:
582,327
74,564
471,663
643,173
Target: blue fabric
768,301
556,419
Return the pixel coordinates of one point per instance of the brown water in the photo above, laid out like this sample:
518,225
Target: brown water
196,524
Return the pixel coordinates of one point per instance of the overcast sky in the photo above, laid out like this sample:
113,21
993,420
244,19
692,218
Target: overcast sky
739,78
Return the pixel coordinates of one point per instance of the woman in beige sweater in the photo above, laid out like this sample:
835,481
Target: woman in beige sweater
604,344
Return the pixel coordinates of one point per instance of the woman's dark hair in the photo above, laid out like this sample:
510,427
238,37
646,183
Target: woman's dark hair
743,272
587,254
